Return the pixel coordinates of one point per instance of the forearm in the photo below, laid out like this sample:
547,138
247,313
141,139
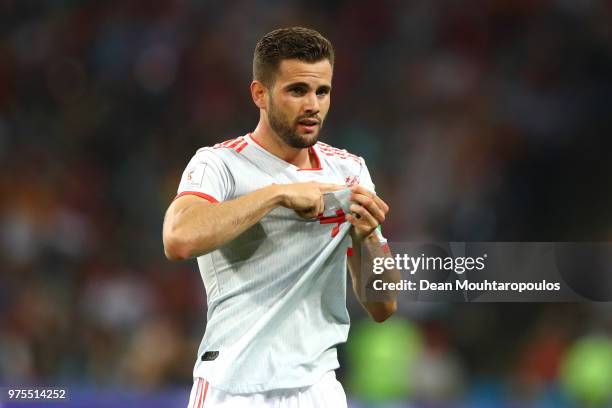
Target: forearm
200,227
380,304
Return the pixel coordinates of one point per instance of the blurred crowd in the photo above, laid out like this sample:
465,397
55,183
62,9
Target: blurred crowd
486,120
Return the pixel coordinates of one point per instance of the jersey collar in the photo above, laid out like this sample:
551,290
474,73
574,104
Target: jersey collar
249,137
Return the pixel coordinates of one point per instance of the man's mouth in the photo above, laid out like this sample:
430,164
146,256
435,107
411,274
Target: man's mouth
309,124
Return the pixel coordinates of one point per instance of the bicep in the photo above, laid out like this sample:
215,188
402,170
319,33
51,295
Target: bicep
183,204
177,235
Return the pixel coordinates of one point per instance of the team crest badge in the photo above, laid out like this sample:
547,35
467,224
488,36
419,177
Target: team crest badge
351,181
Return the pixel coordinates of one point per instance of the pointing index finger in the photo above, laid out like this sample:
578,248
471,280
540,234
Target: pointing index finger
328,187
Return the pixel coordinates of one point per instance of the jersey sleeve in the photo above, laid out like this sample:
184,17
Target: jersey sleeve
364,177
206,176
366,181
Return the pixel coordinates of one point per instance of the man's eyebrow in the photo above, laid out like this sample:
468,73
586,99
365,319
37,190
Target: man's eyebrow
305,85
297,85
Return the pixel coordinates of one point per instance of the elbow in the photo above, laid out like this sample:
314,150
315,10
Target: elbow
174,255
179,248
175,249
380,317
383,311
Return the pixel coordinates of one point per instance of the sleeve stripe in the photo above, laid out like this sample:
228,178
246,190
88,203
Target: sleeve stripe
205,392
197,193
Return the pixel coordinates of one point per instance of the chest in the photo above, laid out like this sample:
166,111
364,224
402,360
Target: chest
248,177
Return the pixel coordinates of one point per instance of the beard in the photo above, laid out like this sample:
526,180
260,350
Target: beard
287,130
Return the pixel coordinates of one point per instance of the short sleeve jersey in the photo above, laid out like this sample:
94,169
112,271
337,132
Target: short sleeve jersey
276,293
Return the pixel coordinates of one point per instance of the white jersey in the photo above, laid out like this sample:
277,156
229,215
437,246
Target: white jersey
276,293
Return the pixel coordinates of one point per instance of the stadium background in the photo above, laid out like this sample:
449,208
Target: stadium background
480,120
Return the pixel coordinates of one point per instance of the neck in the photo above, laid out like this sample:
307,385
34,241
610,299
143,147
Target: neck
269,140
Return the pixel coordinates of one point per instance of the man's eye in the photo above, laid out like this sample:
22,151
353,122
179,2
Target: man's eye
322,92
298,91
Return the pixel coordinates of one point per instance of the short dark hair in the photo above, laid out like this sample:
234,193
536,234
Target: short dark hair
299,43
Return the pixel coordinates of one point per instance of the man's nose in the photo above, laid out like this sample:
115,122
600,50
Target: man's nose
311,102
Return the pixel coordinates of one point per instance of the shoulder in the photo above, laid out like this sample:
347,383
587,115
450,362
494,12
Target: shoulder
223,152
236,144
341,157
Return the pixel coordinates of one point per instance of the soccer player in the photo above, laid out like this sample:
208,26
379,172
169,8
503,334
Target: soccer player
272,217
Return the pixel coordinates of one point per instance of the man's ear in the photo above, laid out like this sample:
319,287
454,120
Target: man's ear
259,93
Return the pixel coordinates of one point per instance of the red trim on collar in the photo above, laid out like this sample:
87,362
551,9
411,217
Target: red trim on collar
257,141
312,150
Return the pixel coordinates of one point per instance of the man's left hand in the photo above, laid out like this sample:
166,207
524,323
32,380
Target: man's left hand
368,211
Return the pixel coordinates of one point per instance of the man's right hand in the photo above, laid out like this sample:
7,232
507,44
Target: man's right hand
306,199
